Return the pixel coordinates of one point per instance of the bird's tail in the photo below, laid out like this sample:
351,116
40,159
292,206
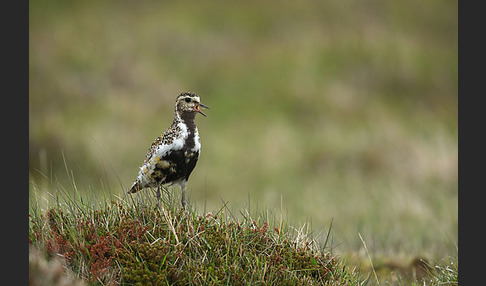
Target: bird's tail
135,187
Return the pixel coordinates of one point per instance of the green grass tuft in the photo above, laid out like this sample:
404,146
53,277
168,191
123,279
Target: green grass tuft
139,242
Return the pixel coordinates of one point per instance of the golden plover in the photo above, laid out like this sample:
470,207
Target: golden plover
174,154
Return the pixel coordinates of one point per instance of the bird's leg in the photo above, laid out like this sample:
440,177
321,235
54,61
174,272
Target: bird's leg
158,194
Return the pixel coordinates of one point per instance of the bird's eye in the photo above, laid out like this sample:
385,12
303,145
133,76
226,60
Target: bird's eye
188,99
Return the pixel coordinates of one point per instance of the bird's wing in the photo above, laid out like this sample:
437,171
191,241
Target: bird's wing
170,140
157,165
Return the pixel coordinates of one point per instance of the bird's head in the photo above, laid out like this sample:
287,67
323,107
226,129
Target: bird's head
189,102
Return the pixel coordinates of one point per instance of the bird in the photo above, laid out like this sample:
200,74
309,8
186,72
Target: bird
173,155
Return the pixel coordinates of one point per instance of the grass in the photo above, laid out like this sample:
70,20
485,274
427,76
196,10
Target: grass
136,241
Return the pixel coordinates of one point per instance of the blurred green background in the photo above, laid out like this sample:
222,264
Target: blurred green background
320,110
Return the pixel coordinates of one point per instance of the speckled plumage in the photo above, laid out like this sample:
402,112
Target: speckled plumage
174,154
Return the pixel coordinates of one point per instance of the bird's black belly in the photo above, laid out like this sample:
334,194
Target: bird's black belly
178,165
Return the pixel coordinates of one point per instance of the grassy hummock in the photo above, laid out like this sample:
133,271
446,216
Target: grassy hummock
136,241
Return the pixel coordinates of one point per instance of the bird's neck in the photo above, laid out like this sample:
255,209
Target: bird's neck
188,118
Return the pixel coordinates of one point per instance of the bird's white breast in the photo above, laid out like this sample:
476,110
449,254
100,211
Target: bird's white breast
197,141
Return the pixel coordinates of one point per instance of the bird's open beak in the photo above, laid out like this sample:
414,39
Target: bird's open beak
199,110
